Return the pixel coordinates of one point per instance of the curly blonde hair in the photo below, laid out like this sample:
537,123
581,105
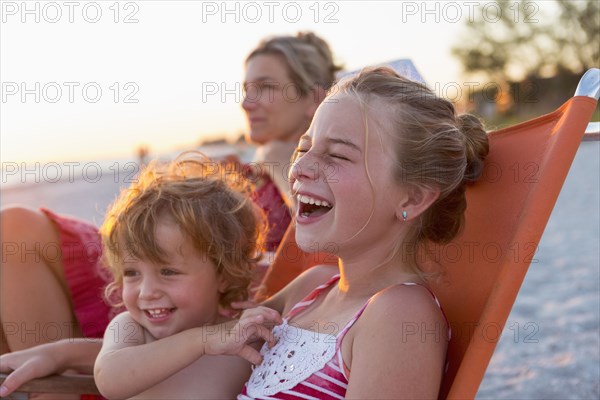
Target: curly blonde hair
211,207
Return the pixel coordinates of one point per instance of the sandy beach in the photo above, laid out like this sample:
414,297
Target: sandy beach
550,347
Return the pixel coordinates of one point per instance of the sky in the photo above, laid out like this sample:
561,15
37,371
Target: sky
86,80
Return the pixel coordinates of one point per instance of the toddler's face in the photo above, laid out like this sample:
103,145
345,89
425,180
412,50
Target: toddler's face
182,294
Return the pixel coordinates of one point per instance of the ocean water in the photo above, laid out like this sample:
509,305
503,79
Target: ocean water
18,174
85,189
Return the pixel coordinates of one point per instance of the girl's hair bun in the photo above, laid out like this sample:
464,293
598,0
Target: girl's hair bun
476,144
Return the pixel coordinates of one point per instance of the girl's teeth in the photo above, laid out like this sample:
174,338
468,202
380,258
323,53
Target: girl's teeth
309,200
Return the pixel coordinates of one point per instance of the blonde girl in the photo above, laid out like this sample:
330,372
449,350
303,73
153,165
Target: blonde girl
381,172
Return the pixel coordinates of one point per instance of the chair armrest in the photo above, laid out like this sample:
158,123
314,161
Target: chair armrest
77,384
589,84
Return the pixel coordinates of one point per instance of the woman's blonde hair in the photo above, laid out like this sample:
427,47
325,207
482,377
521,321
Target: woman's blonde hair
434,147
209,205
308,59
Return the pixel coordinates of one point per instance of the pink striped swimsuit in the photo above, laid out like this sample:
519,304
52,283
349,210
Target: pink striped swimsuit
303,364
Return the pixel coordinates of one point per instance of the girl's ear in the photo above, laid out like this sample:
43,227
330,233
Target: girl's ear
314,99
418,201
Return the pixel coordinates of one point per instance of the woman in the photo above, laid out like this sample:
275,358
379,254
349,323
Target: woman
51,287
287,77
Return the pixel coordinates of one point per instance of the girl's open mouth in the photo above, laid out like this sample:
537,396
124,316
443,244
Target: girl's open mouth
309,207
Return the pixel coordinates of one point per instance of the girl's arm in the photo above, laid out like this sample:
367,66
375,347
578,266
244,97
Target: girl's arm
399,347
48,359
127,365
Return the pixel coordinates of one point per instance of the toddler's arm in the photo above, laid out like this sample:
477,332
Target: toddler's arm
127,365
48,359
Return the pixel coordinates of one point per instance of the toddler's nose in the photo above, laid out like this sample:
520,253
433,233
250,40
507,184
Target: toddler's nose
149,289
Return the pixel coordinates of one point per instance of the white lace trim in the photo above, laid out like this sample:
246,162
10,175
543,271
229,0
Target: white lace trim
297,355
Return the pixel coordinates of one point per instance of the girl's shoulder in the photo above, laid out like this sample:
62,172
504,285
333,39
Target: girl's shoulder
406,300
310,279
300,287
405,306
402,331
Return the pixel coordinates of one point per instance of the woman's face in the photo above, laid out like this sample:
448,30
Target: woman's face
273,104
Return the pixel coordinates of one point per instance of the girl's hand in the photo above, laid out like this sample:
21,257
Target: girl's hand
28,364
254,324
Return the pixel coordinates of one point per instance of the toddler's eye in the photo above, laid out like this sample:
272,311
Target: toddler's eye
129,273
168,272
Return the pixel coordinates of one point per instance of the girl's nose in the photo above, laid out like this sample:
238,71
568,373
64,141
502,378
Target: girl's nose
304,169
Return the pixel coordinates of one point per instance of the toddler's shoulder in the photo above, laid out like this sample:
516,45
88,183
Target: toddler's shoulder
124,316
124,330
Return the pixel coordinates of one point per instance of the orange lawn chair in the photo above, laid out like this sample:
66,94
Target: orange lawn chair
506,215
485,266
